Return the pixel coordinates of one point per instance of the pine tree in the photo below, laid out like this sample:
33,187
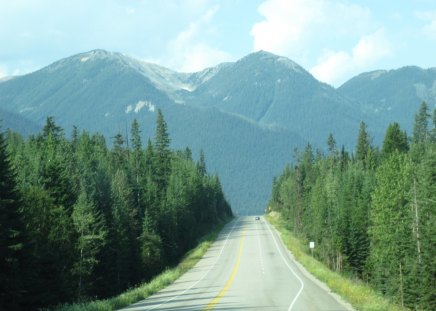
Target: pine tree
11,235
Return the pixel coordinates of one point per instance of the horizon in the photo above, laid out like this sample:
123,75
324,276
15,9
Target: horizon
6,78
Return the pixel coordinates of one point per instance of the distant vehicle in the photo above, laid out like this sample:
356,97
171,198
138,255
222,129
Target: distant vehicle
257,218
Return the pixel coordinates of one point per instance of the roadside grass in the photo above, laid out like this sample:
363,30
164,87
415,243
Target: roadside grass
360,295
145,290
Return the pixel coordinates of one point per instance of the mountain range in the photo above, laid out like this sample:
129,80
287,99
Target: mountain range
247,116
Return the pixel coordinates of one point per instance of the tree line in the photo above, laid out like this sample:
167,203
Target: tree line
79,220
371,213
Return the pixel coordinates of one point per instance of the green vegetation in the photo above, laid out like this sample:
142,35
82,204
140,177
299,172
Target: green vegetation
371,214
81,221
360,295
153,286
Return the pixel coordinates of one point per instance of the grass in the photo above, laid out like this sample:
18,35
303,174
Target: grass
147,289
360,295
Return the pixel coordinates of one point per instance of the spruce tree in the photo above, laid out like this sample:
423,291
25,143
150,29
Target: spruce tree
331,143
201,165
395,139
162,153
91,232
11,235
363,143
420,129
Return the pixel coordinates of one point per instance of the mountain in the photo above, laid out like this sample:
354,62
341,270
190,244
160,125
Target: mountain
14,121
103,91
248,116
394,95
274,91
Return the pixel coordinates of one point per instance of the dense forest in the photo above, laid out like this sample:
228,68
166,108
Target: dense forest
372,212
79,220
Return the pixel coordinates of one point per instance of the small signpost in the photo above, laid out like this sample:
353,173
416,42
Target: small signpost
312,246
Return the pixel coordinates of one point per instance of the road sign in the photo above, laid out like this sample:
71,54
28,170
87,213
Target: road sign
312,244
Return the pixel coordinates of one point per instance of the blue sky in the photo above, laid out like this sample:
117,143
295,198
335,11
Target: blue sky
333,39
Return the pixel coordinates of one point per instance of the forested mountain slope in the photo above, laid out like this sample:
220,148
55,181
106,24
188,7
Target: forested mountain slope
393,95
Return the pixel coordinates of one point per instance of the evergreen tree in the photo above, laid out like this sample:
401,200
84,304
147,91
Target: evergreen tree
51,129
162,153
433,131
11,235
119,152
395,139
124,222
420,129
363,144
331,143
391,243
201,165
151,246
90,228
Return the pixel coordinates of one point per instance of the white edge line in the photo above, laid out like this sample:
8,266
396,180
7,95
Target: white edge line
290,268
182,293
260,251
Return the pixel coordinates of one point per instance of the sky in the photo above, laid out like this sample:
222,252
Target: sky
333,39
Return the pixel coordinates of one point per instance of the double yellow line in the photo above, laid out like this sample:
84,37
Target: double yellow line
221,294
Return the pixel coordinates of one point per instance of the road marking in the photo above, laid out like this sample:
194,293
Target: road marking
221,294
219,255
260,250
290,268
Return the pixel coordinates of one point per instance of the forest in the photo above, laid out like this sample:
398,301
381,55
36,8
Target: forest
80,220
371,212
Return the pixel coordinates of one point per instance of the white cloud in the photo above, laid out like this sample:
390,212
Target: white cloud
334,67
342,37
429,28
289,26
188,53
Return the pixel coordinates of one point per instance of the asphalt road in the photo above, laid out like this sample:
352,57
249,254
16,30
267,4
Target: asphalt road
247,268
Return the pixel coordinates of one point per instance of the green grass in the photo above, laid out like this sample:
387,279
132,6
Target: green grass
147,289
360,295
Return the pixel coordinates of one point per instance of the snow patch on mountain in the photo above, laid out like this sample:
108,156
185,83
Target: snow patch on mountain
139,106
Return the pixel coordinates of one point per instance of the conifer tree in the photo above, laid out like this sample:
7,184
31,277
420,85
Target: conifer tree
201,165
363,143
91,232
331,143
395,139
11,235
162,153
420,129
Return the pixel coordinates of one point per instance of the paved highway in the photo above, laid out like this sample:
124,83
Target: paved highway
247,268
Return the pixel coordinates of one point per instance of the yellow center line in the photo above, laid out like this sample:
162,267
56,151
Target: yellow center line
212,304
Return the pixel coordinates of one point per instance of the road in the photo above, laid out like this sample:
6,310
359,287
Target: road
247,268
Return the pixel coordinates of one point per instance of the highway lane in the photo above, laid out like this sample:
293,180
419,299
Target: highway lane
247,268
